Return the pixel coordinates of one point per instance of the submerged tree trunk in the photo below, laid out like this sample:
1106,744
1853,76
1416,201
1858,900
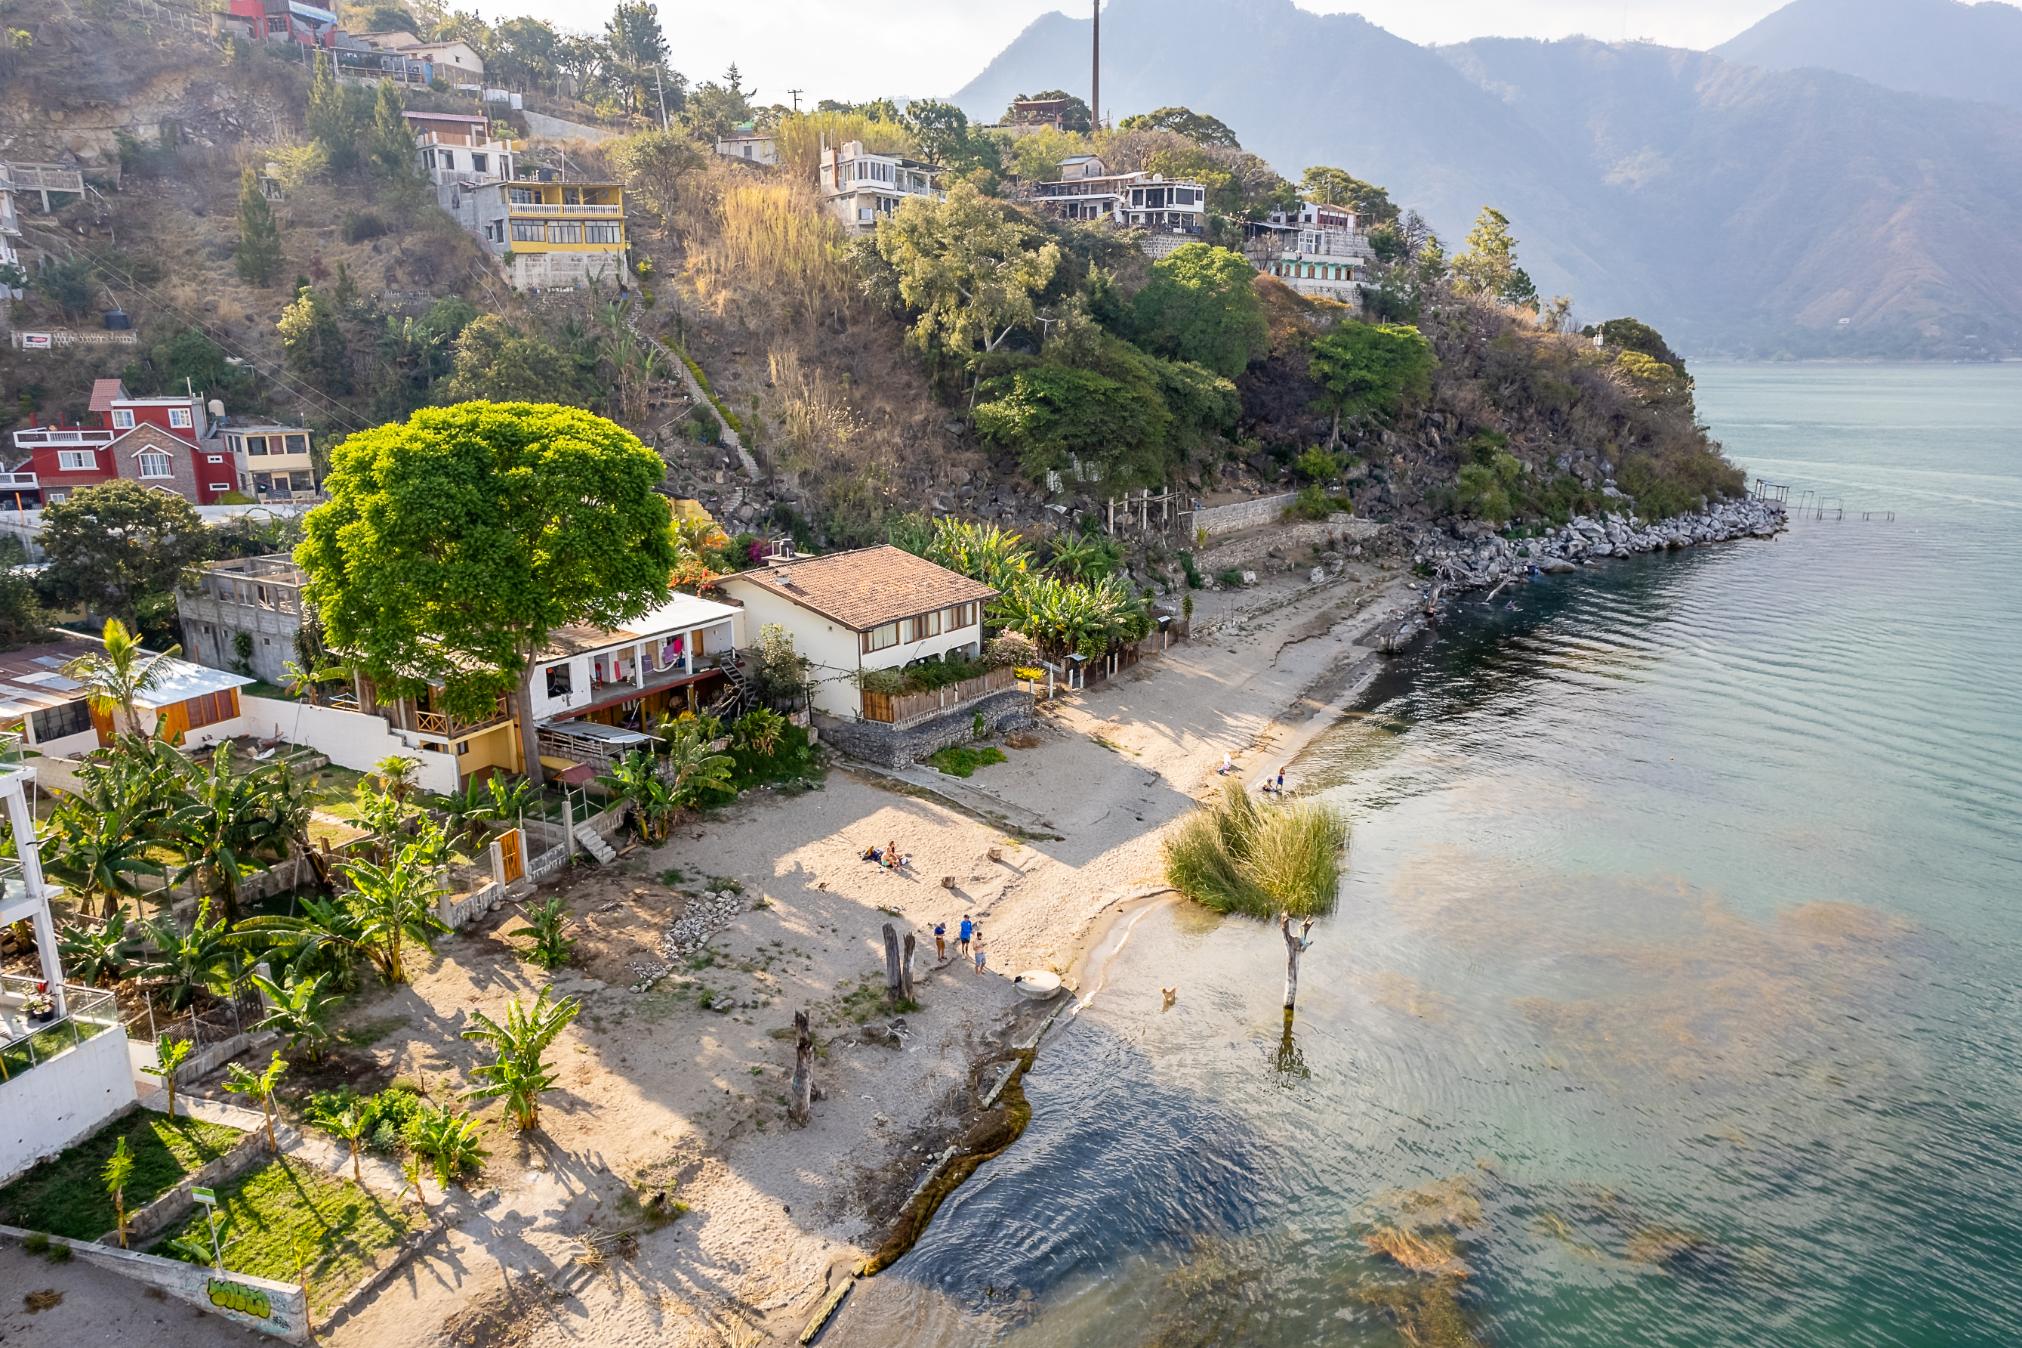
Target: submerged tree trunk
1295,946
800,1096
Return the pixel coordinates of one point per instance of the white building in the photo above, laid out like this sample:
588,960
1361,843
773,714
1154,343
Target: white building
459,151
274,461
1320,251
64,1066
872,609
862,188
1087,190
750,146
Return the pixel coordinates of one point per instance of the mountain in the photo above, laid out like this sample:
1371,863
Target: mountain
1743,211
1936,47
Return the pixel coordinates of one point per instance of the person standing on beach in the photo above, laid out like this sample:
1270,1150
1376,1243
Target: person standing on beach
940,940
963,933
981,954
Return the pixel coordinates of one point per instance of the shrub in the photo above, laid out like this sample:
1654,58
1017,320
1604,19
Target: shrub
360,226
1191,569
1312,503
962,761
1317,465
1229,579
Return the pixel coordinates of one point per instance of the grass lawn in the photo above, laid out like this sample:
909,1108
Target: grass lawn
284,1216
65,1196
961,761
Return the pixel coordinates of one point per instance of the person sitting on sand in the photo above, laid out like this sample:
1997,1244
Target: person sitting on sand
872,854
892,854
1228,765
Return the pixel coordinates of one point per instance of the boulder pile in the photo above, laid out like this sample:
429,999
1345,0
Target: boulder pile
1488,559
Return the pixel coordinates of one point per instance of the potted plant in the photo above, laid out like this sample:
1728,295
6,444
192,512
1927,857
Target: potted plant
40,1006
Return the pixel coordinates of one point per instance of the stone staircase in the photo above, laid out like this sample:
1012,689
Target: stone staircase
675,363
593,843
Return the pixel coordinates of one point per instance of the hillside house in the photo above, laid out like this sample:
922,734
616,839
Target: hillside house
178,444
551,235
459,150
454,60
64,1066
280,21
49,712
860,188
10,230
750,146
1317,250
1088,191
244,614
874,609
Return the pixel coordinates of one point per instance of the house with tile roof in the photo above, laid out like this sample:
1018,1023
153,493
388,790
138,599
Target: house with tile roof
857,614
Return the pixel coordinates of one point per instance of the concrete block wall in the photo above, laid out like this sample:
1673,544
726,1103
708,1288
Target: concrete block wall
1010,709
50,1106
277,1308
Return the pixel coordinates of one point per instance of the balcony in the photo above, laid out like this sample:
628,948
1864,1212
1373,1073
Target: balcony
46,437
430,722
26,1043
19,482
547,208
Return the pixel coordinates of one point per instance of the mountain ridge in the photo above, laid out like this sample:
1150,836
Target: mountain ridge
1941,48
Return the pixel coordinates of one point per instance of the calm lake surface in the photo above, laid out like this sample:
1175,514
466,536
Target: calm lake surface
1676,987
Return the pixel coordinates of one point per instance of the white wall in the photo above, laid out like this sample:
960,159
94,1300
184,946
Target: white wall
26,525
351,739
50,1106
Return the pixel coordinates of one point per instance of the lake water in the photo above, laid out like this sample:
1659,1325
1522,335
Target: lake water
1676,988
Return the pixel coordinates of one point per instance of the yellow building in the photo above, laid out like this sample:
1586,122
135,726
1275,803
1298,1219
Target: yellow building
551,235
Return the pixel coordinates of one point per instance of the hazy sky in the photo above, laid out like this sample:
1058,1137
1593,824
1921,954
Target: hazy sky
862,48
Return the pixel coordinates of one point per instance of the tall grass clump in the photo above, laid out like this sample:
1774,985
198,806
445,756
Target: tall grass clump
799,138
1236,856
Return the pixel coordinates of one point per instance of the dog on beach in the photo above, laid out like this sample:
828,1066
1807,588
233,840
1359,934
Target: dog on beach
1171,995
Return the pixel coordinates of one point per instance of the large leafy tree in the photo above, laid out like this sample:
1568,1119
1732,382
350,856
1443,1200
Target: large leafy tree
1489,266
1195,126
971,268
493,359
1076,117
454,543
1338,187
1371,371
944,136
119,548
1200,306
638,49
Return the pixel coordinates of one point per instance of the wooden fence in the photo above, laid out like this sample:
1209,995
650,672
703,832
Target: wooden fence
903,709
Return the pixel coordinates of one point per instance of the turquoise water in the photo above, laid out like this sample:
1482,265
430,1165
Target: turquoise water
1674,989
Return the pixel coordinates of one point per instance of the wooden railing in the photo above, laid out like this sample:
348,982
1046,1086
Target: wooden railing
442,723
902,709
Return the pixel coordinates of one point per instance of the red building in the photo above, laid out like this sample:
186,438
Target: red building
282,21
167,443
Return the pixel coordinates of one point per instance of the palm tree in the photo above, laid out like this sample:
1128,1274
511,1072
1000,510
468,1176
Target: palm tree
101,955
117,1174
394,905
696,770
298,1009
396,773
115,678
227,820
348,1126
323,938
306,682
635,779
170,1055
517,1072
259,1086
185,962
100,847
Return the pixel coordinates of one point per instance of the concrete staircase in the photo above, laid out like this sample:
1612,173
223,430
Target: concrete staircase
592,842
687,377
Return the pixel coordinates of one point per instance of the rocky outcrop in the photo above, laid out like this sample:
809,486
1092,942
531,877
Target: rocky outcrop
1488,559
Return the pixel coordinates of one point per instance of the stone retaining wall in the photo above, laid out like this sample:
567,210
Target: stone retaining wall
1292,542
1238,515
880,744
173,1206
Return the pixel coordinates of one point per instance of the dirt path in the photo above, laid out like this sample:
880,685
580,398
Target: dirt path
679,1091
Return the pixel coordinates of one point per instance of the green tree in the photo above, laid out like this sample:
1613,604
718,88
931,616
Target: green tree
1371,371
394,908
119,548
170,1055
347,1125
99,953
943,134
117,1174
391,146
451,546
259,1086
226,821
493,360
313,342
518,1072
1630,334
971,269
637,50
68,284
1197,127
1489,265
1338,187
712,110
178,963
22,618
634,781
1051,414
1201,305
101,851
259,253
115,677
335,120
298,1010
525,52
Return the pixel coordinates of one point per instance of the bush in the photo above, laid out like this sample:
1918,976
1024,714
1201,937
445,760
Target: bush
360,226
1317,465
1313,503
1191,569
385,1114
1230,578
962,761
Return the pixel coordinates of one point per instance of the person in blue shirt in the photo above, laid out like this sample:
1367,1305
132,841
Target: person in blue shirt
940,940
963,933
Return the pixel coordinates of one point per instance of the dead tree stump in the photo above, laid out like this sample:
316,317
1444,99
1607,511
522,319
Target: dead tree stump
906,971
893,975
800,1099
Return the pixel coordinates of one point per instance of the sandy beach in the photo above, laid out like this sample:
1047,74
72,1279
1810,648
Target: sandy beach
677,1094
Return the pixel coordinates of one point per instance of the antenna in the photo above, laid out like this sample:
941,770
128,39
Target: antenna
1095,79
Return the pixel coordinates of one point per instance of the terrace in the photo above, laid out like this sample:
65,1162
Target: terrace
27,1042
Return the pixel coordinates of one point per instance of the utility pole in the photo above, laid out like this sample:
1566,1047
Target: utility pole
1095,80
660,83
796,93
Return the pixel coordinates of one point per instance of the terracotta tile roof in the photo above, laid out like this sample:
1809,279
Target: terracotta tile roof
867,588
104,392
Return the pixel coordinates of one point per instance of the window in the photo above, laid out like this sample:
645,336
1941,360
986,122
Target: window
565,232
522,196
214,458
221,486
72,718
256,445
298,444
928,624
122,419
76,460
179,417
559,684
479,162
529,231
603,233
881,638
212,708
153,463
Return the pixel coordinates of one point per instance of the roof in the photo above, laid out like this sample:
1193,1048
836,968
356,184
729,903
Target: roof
31,679
413,116
866,588
105,392
681,612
